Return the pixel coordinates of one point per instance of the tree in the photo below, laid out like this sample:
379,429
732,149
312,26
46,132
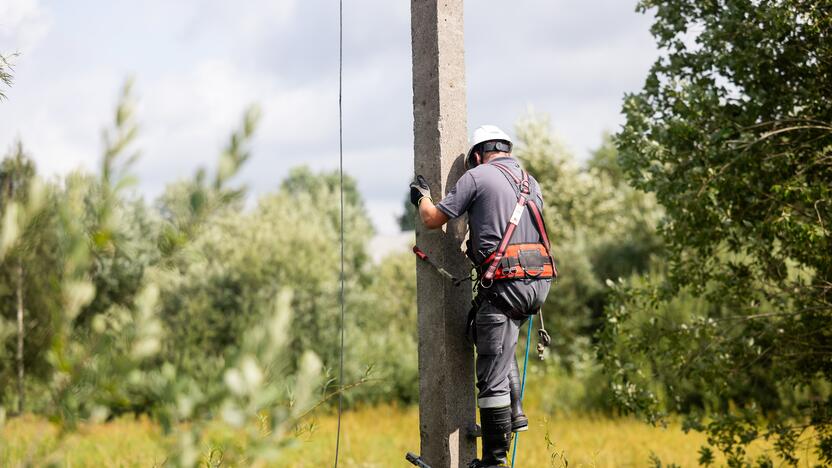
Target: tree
290,240
600,229
733,134
121,229
187,205
87,271
407,220
16,173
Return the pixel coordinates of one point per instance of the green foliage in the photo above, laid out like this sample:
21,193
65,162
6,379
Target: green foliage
6,77
180,308
22,199
257,394
732,134
28,236
120,227
100,272
383,334
656,462
203,301
187,205
290,240
600,229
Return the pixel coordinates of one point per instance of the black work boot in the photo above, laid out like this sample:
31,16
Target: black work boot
519,421
496,438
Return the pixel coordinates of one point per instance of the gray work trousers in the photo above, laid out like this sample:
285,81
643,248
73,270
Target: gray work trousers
496,342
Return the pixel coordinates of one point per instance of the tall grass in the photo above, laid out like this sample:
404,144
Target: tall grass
372,437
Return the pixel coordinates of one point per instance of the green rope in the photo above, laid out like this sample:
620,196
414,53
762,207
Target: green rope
523,384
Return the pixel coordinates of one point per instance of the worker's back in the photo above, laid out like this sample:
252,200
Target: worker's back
489,197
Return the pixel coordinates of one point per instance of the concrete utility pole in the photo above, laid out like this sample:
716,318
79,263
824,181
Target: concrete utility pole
446,363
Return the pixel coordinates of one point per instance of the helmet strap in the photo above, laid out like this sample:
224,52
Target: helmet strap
496,145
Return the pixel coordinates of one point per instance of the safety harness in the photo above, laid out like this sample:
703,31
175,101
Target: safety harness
508,261
515,261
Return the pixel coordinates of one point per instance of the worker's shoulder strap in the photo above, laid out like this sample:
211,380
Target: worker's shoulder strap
537,215
522,201
507,172
540,224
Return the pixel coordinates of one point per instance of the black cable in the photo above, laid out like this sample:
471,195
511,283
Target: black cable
341,189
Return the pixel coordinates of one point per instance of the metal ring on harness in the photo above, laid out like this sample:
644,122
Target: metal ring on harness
490,283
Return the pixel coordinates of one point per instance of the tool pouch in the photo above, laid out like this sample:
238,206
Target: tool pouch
495,300
491,329
532,262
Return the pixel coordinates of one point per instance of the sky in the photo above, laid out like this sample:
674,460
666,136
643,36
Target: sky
198,64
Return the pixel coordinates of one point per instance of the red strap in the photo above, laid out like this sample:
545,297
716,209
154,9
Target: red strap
419,253
512,223
538,217
506,171
541,226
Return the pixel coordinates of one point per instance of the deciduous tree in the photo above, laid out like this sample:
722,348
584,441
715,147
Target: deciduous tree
733,134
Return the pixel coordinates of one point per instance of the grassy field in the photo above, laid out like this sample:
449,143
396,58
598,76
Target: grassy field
371,437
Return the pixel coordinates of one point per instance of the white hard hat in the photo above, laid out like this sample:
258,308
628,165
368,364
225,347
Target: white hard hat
483,134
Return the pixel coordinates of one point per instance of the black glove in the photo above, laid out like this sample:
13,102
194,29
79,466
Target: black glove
418,190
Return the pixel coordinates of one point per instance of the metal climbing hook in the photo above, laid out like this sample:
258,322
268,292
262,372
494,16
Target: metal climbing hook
543,338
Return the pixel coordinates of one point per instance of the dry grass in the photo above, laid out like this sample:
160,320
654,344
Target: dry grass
30,441
371,437
379,437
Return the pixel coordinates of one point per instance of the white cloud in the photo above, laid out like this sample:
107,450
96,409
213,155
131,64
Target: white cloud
248,22
187,118
23,24
199,63
60,124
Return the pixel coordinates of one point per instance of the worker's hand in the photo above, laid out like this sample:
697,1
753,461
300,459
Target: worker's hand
419,189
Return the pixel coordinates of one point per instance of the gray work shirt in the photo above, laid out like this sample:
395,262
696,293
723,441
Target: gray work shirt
489,198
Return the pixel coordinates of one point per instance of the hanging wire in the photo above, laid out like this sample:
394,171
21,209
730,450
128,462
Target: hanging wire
341,192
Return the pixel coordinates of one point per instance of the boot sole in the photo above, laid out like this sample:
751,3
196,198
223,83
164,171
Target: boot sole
520,426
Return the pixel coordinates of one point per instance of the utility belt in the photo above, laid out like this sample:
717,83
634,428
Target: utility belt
519,261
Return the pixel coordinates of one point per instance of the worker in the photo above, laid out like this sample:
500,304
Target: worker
515,270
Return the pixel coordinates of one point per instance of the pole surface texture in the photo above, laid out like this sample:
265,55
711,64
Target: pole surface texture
446,362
